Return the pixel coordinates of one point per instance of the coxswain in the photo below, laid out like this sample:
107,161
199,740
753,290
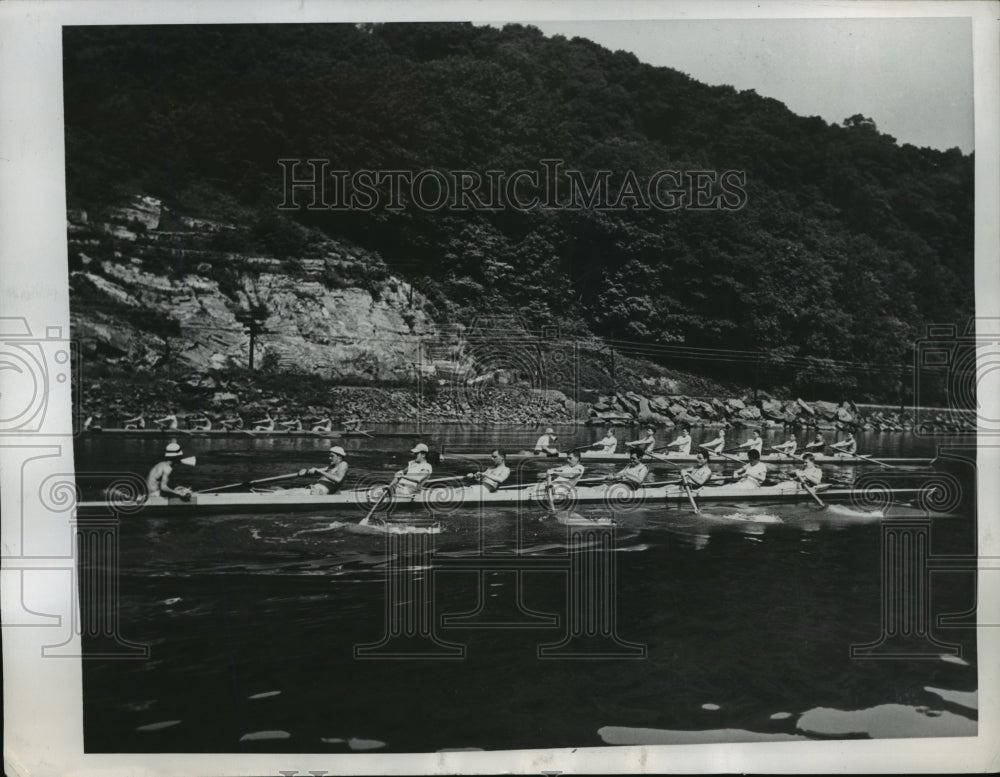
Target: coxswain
716,445
609,442
810,474
492,478
547,443
848,445
169,421
138,422
407,481
635,473
699,475
158,481
568,474
755,443
646,444
818,443
754,473
265,424
683,441
789,446
294,425
325,424
330,476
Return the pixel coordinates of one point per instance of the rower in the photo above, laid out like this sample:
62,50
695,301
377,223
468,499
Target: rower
635,473
683,441
158,480
138,422
93,422
646,444
169,421
818,443
755,443
266,424
698,475
789,446
609,443
323,425
848,446
203,423
495,475
754,473
294,425
568,474
810,474
331,476
716,445
234,422
352,425
547,443
408,481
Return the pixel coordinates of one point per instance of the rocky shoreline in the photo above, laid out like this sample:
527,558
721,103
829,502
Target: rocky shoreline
491,405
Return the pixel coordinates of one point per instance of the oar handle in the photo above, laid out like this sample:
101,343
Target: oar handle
248,483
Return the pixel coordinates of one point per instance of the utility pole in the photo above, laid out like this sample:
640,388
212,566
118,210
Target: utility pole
253,323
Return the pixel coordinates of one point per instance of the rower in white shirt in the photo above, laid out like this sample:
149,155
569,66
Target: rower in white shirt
492,478
635,473
408,481
699,475
566,475
810,474
683,441
547,443
754,473
646,444
609,443
136,422
848,445
716,445
755,443
788,447
169,421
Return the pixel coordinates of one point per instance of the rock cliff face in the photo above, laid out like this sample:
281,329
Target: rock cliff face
144,296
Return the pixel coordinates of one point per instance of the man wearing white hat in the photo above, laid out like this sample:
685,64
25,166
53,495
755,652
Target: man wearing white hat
407,481
331,476
547,443
158,480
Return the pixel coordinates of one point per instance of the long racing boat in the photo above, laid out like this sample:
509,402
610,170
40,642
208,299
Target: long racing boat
332,435
441,500
600,457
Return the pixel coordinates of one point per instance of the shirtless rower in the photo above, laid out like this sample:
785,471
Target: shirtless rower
547,443
754,473
265,424
352,425
202,423
408,481
293,425
683,441
233,422
169,421
158,481
848,445
492,478
331,476
635,473
325,424
646,444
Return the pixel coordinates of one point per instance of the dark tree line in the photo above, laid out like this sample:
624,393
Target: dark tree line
849,244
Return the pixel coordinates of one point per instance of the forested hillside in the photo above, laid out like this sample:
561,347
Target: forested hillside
848,244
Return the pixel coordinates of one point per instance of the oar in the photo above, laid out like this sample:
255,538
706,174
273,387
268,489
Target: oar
690,496
381,499
664,459
248,483
869,457
785,453
812,493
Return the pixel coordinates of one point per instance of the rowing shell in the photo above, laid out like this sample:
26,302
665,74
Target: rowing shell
441,499
599,457
246,432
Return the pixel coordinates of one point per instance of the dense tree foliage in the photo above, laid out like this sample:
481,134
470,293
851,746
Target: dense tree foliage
848,245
